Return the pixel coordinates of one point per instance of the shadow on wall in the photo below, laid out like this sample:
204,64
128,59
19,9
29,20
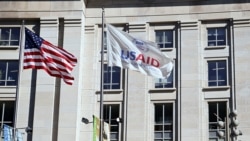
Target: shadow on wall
155,3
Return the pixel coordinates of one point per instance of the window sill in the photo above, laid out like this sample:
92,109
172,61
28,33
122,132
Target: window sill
115,91
8,89
8,47
219,88
167,49
215,47
161,90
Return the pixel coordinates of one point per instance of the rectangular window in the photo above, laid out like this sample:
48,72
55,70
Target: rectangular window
8,108
217,113
8,73
216,36
165,83
110,114
217,73
163,127
164,38
112,76
9,36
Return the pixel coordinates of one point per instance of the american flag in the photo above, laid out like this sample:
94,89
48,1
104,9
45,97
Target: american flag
40,54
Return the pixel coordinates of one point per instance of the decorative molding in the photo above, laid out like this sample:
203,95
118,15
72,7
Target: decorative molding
137,27
72,22
89,29
49,22
241,22
186,25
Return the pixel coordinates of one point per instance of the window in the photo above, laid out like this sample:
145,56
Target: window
163,128
9,107
217,112
164,38
9,36
112,77
165,83
8,73
216,36
217,73
110,114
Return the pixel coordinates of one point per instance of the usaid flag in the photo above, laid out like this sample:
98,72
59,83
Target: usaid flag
126,51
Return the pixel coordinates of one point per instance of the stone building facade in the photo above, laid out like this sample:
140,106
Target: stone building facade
208,41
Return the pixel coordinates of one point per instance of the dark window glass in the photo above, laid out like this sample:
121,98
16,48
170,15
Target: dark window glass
9,36
164,38
217,112
217,73
8,73
163,128
7,109
110,114
111,77
216,36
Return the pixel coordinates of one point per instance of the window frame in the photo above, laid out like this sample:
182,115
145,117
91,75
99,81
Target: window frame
215,24
173,117
9,40
163,31
206,85
163,83
161,27
118,124
226,128
216,40
110,83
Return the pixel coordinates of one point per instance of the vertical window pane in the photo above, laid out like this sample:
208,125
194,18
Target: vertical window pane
8,73
9,111
211,34
3,70
5,33
15,36
12,73
168,113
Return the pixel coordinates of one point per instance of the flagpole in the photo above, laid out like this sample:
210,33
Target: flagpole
101,81
19,77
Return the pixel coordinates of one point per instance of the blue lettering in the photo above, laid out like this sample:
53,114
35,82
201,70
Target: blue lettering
132,55
128,55
123,56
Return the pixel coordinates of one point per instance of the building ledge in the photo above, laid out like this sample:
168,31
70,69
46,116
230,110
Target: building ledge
162,90
219,88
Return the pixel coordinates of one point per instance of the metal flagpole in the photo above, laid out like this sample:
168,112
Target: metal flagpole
101,83
19,76
2,120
